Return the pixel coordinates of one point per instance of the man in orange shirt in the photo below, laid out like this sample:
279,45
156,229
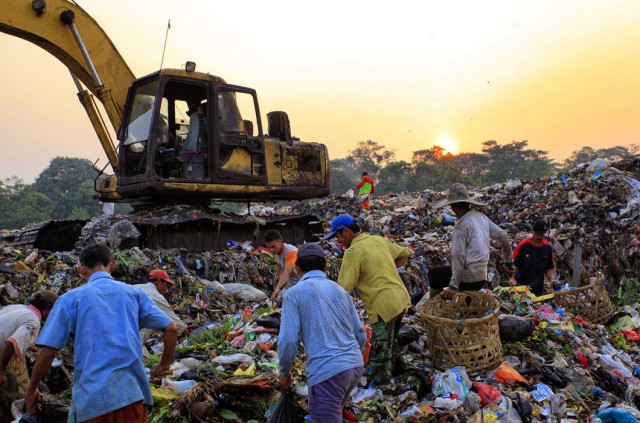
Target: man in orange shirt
285,256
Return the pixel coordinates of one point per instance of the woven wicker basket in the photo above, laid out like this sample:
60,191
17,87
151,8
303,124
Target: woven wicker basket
591,302
464,332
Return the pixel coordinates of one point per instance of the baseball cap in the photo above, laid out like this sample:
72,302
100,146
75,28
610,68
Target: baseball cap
340,222
310,249
161,275
539,227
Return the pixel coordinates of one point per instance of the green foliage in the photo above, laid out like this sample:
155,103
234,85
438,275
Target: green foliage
21,204
228,415
162,415
64,190
436,169
588,154
628,292
369,156
514,160
69,182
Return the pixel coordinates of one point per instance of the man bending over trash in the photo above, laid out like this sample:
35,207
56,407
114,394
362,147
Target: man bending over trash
104,316
285,257
370,266
19,327
158,285
323,314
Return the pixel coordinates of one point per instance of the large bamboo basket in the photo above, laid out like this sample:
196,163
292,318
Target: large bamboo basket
464,332
591,302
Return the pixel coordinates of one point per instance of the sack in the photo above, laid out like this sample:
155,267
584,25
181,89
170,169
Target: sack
287,411
514,328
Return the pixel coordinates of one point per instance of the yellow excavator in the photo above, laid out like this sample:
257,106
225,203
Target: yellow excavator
183,137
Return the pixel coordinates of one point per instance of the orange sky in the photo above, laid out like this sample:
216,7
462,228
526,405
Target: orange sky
559,74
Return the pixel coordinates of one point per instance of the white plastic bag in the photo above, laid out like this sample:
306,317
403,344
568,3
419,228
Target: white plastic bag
454,381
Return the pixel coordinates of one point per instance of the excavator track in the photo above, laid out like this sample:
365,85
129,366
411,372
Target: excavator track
186,227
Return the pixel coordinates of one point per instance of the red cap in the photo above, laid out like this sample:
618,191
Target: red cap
160,275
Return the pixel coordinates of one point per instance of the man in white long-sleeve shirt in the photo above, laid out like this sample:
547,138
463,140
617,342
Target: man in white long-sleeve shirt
158,285
470,243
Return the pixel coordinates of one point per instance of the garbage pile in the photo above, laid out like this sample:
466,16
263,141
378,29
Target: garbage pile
557,366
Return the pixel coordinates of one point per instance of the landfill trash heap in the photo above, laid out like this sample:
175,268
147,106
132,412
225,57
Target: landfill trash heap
557,365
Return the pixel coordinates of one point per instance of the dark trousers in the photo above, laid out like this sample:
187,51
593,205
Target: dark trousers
327,398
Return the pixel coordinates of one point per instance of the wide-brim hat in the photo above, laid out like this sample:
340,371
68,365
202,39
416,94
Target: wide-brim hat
457,193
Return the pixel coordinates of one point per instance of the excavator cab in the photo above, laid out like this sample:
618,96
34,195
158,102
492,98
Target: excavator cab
190,137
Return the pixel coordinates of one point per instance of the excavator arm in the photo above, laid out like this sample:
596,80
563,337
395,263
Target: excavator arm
65,30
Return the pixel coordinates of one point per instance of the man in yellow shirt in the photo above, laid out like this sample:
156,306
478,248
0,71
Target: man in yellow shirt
370,266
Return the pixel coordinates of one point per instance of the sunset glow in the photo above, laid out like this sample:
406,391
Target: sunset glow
449,144
561,75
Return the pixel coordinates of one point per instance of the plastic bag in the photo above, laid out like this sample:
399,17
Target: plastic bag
286,410
613,415
363,394
178,386
514,328
454,381
487,393
507,374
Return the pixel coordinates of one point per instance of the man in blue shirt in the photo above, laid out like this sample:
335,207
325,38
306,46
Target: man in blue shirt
322,313
104,316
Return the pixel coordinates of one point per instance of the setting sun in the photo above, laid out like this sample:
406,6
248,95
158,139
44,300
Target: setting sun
448,143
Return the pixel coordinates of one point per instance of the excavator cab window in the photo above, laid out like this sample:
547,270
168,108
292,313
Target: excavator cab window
137,129
240,153
182,145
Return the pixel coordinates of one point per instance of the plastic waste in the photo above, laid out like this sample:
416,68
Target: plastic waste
360,395
609,362
249,371
286,410
178,386
447,403
453,381
514,328
507,374
245,292
487,393
233,358
541,392
410,414
613,415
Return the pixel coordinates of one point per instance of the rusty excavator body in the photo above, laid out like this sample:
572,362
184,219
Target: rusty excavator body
184,139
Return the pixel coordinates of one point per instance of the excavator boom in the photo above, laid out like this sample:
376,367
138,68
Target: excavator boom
41,22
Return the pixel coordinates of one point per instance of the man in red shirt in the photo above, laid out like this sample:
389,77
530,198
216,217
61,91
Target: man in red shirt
533,259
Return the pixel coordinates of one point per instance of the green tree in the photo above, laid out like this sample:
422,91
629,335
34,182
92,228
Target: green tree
369,156
515,160
472,165
395,177
21,204
69,182
343,175
587,154
434,169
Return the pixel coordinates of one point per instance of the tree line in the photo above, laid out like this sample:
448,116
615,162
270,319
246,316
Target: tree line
64,190
437,169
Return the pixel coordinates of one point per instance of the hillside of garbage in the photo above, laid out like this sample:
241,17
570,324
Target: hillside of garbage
558,363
